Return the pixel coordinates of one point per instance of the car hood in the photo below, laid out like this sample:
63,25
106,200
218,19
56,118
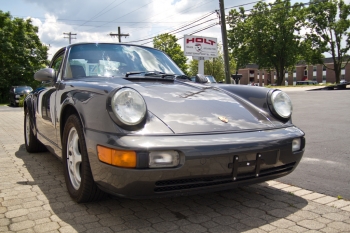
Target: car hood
198,109
192,108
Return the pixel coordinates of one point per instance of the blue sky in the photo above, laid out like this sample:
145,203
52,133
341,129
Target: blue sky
94,20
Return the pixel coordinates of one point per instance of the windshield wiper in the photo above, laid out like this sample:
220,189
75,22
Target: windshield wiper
150,73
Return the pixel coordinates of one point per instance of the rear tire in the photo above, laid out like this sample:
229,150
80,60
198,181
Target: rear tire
76,165
32,143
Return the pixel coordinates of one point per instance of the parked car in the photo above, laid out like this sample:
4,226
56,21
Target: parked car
18,92
209,78
122,123
307,82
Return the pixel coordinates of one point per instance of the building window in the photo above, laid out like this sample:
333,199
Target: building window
314,73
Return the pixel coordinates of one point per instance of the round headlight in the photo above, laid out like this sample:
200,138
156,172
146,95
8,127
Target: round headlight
282,104
128,106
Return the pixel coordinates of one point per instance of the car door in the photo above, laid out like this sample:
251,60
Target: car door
45,112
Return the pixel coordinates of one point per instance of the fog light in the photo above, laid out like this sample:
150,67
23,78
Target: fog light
120,158
163,159
296,144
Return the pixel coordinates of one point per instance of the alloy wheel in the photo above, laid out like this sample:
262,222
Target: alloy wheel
74,158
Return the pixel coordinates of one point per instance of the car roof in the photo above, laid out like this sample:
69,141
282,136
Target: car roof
82,43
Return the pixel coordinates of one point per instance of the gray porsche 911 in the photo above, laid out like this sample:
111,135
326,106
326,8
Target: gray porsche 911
125,120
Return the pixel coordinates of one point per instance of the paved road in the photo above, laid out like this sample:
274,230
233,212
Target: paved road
33,198
7,108
324,116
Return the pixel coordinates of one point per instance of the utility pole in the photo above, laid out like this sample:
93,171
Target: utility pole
224,41
70,36
118,34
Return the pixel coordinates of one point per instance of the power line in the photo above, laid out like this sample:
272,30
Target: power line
94,21
194,26
199,30
243,5
210,13
292,6
175,30
100,13
188,9
150,38
145,26
124,15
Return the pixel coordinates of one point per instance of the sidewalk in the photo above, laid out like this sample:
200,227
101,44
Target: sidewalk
33,198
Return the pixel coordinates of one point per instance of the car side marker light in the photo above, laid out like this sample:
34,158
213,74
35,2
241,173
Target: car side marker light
119,158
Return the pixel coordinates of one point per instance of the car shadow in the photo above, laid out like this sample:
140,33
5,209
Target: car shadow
12,106
241,209
334,88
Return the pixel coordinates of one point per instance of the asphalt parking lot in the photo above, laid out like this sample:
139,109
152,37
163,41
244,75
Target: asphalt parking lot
34,198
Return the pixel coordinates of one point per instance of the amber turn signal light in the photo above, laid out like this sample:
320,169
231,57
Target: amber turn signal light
120,158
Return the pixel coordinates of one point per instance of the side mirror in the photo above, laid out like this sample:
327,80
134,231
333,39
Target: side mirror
47,74
200,78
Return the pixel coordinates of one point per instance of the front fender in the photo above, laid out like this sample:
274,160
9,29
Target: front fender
254,95
69,105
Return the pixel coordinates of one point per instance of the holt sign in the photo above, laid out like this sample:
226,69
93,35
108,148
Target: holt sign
200,46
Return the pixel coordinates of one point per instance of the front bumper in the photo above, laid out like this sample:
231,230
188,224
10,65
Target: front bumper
207,162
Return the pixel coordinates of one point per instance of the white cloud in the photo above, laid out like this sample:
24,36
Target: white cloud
94,20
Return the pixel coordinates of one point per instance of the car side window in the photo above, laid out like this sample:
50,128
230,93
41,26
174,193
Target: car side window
56,64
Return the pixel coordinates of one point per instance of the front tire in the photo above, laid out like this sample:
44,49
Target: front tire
77,171
32,143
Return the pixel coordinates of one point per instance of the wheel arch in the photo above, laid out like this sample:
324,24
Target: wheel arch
67,111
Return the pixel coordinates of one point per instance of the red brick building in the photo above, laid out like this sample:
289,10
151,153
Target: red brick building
319,73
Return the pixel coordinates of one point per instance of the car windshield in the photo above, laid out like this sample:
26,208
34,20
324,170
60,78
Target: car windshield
23,89
113,60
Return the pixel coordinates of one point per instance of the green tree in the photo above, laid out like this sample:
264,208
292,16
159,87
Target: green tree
193,67
267,36
168,44
328,24
238,41
21,53
213,66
